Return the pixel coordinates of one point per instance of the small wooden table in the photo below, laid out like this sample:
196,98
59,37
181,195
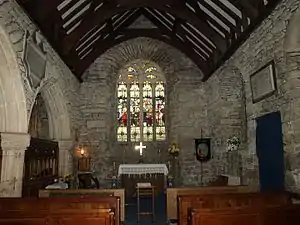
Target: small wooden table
145,191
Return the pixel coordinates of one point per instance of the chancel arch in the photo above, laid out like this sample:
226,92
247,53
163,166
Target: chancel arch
59,121
59,124
12,97
13,122
100,89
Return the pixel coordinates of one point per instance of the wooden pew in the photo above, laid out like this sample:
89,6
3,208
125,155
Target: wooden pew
88,193
225,217
173,193
292,214
228,201
53,211
251,215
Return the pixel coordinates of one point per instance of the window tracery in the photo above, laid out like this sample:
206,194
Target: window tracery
141,103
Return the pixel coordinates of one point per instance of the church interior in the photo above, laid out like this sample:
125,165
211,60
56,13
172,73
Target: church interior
121,112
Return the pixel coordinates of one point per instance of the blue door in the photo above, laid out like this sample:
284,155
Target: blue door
269,147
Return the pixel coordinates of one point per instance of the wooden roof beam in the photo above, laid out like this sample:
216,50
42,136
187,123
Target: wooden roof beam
108,29
203,16
108,11
177,26
102,46
232,27
130,19
245,7
234,16
43,9
176,29
78,9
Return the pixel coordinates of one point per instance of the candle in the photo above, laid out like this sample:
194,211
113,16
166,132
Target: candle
82,151
114,165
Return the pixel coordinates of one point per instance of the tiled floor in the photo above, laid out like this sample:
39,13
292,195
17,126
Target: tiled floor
146,204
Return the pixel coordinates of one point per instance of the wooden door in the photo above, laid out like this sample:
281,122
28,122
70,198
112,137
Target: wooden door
269,147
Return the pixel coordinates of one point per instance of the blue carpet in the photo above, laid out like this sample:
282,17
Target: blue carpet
146,204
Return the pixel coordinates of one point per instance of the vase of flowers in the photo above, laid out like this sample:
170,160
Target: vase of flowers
174,150
68,179
233,143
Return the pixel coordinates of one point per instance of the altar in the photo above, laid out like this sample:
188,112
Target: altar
131,174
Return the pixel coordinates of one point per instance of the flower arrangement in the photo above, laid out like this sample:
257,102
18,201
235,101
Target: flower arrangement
68,178
174,149
233,143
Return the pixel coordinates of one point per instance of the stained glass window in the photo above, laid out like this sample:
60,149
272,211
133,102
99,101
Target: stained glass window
141,103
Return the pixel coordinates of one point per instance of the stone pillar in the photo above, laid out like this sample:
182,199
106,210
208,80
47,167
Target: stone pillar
13,148
66,148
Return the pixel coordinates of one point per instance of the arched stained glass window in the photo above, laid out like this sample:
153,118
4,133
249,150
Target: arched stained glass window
141,103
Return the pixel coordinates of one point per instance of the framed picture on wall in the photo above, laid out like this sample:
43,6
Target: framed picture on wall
263,82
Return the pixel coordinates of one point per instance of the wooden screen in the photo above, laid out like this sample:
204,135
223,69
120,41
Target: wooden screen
0,162
40,165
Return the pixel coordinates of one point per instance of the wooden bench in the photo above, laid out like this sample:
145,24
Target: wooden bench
292,213
228,201
65,211
250,215
88,193
173,193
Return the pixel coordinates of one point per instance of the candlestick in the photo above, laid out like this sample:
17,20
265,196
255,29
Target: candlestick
82,152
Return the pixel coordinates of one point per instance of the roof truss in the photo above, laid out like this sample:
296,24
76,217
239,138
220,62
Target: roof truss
207,31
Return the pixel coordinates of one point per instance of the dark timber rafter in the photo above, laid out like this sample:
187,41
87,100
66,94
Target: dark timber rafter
205,17
175,33
246,7
133,33
107,12
107,30
207,31
185,47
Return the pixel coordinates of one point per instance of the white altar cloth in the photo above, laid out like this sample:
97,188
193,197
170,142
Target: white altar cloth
142,169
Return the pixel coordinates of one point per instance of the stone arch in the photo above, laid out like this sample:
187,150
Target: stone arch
59,122
146,49
58,116
292,39
173,64
12,97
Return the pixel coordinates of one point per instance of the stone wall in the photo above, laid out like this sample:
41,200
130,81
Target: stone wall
16,22
220,108
267,43
226,115
188,120
59,89
184,117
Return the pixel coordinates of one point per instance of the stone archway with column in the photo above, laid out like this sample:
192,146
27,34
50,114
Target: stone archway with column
13,123
292,143
59,123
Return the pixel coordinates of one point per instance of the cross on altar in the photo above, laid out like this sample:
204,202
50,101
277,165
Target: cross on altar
140,148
